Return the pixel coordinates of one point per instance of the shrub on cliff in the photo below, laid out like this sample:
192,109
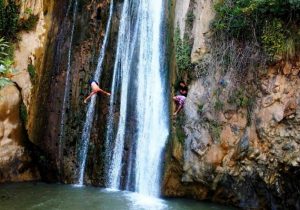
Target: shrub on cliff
183,53
9,19
5,63
10,23
271,23
29,24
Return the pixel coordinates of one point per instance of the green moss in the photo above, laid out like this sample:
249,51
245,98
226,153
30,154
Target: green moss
32,72
215,129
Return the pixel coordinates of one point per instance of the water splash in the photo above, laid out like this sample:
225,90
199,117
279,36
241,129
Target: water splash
91,106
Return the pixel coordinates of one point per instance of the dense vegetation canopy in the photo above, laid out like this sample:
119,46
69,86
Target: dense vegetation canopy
272,23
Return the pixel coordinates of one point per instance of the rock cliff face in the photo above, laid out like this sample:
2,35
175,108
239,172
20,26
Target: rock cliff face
16,156
15,159
89,29
237,141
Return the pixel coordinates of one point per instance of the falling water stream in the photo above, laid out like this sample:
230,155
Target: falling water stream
91,106
139,74
67,81
151,103
125,48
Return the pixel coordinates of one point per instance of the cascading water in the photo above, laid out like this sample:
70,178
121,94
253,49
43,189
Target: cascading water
139,63
152,106
125,48
91,106
67,82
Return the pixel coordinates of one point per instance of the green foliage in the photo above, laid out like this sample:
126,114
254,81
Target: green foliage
5,63
295,4
28,11
4,46
179,124
219,105
238,17
32,72
239,98
215,129
279,40
183,52
9,18
5,67
190,17
267,22
180,135
30,23
200,108
4,81
273,37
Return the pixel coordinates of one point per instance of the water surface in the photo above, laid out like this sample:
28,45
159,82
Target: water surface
32,196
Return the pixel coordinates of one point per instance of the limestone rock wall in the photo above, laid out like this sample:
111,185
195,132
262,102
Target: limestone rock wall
222,150
15,160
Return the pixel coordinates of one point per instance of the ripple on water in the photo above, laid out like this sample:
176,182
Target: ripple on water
41,196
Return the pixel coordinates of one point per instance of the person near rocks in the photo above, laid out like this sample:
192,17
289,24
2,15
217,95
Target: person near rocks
179,99
95,89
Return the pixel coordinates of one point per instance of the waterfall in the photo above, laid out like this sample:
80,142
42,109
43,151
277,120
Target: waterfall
91,106
125,48
151,103
139,71
67,82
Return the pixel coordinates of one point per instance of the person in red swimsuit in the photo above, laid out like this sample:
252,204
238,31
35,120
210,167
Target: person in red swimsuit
95,89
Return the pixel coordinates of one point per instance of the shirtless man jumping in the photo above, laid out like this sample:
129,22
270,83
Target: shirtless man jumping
95,89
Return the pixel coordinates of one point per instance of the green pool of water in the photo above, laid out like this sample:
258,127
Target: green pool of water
32,196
